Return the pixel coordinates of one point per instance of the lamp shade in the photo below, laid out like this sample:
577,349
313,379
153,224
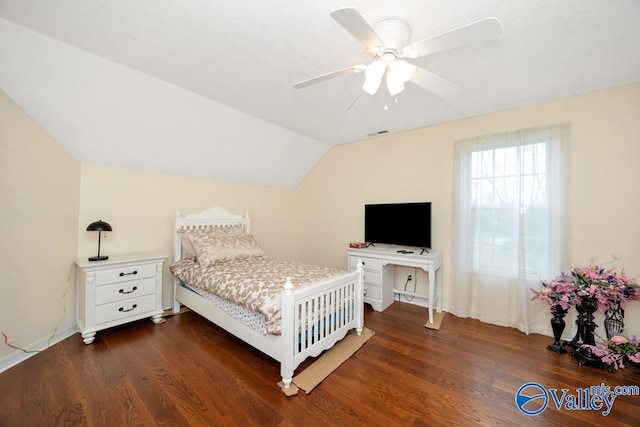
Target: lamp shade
398,73
402,70
394,86
99,226
373,76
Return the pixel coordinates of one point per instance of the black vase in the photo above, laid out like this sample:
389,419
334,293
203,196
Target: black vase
590,305
557,325
586,326
614,321
585,323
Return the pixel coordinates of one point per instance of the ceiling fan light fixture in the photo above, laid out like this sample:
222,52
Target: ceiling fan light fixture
373,76
394,85
402,70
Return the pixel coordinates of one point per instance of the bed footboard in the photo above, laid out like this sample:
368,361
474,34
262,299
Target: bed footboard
314,318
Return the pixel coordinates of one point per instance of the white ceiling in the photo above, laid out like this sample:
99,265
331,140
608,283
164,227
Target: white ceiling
246,55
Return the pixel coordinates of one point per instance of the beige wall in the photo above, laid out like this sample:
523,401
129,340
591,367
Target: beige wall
39,199
141,207
418,166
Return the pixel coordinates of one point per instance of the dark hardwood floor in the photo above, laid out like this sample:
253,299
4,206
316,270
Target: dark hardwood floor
187,371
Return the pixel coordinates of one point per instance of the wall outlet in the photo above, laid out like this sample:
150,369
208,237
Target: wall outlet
409,278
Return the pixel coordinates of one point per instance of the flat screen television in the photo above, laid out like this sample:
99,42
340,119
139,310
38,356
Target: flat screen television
404,224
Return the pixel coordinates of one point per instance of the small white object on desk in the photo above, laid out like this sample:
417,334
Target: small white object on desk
119,290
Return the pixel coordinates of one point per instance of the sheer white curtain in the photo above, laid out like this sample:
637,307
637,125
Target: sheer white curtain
510,202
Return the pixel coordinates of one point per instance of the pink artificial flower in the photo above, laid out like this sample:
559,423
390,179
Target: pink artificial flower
619,339
547,291
598,351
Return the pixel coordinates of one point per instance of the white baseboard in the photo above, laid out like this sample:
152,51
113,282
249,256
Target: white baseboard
542,329
17,356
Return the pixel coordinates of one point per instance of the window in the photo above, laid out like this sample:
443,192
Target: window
509,202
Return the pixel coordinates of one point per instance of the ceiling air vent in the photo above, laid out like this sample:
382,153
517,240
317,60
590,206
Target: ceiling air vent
380,132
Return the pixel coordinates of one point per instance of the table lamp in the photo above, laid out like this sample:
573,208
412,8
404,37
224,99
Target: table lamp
99,226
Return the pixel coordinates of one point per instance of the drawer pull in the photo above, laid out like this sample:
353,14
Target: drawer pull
132,308
128,274
122,291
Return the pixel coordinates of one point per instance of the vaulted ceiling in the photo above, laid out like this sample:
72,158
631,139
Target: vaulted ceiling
205,87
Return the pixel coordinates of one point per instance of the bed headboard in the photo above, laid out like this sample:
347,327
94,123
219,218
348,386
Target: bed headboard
213,217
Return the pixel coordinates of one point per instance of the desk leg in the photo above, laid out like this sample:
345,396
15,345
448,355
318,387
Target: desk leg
439,285
432,283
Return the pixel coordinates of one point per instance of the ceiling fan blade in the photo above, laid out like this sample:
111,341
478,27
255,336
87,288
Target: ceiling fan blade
355,24
474,32
436,84
324,77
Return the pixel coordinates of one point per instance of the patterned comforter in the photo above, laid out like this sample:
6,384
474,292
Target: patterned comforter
255,283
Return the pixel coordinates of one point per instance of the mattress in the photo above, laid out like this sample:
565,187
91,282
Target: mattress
254,284
247,317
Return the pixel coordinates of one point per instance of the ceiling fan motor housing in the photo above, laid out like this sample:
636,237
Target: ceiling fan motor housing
394,33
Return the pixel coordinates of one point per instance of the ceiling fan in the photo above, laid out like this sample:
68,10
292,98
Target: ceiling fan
388,42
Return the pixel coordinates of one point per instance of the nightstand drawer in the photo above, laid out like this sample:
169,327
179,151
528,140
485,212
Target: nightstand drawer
123,309
124,273
122,291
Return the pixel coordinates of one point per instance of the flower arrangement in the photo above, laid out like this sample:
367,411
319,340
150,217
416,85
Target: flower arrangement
559,292
609,287
617,352
590,288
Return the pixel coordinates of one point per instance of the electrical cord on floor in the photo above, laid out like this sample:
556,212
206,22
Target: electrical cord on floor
10,342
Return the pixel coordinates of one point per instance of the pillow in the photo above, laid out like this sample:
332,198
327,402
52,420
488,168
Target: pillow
188,251
224,248
185,236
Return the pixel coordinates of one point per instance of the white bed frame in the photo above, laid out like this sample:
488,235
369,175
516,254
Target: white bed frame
297,305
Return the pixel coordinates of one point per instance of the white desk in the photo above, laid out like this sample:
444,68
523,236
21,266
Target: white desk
379,277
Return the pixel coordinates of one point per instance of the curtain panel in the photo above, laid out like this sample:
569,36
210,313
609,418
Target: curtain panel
510,224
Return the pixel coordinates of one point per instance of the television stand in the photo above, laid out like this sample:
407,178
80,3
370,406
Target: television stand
379,275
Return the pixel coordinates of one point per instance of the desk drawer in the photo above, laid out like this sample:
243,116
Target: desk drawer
123,309
371,277
369,263
372,292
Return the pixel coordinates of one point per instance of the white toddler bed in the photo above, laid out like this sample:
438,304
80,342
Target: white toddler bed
312,317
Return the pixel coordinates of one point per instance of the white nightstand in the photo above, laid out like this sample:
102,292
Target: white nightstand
118,290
